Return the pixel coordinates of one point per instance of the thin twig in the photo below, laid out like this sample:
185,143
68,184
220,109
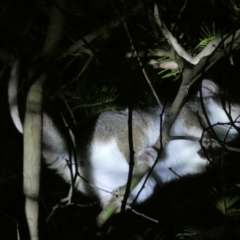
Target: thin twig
141,214
182,9
141,65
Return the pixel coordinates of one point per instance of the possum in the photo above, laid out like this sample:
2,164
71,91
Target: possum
102,147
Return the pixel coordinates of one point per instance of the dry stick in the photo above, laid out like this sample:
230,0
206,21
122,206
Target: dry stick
131,158
68,203
90,37
32,155
130,142
182,9
131,162
33,124
183,90
156,160
143,215
207,51
189,74
131,183
142,68
105,214
114,203
113,206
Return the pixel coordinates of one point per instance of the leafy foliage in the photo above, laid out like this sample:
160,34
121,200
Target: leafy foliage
188,232
225,204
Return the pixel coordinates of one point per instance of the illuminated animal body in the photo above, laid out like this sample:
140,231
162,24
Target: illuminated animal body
103,152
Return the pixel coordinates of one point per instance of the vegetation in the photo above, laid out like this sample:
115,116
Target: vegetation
96,55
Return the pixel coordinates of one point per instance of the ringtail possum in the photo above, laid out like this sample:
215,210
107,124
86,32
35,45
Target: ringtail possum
102,150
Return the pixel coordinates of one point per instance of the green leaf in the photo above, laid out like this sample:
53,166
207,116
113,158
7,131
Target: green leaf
189,232
225,204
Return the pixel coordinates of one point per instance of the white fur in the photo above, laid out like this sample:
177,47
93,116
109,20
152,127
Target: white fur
220,116
108,168
104,167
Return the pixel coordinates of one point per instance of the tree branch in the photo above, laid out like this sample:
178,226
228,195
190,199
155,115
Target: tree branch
33,122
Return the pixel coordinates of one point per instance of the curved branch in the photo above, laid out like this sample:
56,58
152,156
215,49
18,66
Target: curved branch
33,121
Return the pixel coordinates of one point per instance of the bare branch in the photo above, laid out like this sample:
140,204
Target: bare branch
208,50
32,154
33,123
182,9
164,64
143,70
142,215
90,37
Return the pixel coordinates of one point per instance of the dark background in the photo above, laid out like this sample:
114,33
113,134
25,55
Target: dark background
101,77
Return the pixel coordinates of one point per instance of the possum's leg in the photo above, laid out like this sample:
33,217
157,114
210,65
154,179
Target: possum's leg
145,160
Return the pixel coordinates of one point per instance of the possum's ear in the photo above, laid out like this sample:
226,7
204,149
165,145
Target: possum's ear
208,88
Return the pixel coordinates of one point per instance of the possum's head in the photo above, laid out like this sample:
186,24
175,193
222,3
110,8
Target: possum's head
223,116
